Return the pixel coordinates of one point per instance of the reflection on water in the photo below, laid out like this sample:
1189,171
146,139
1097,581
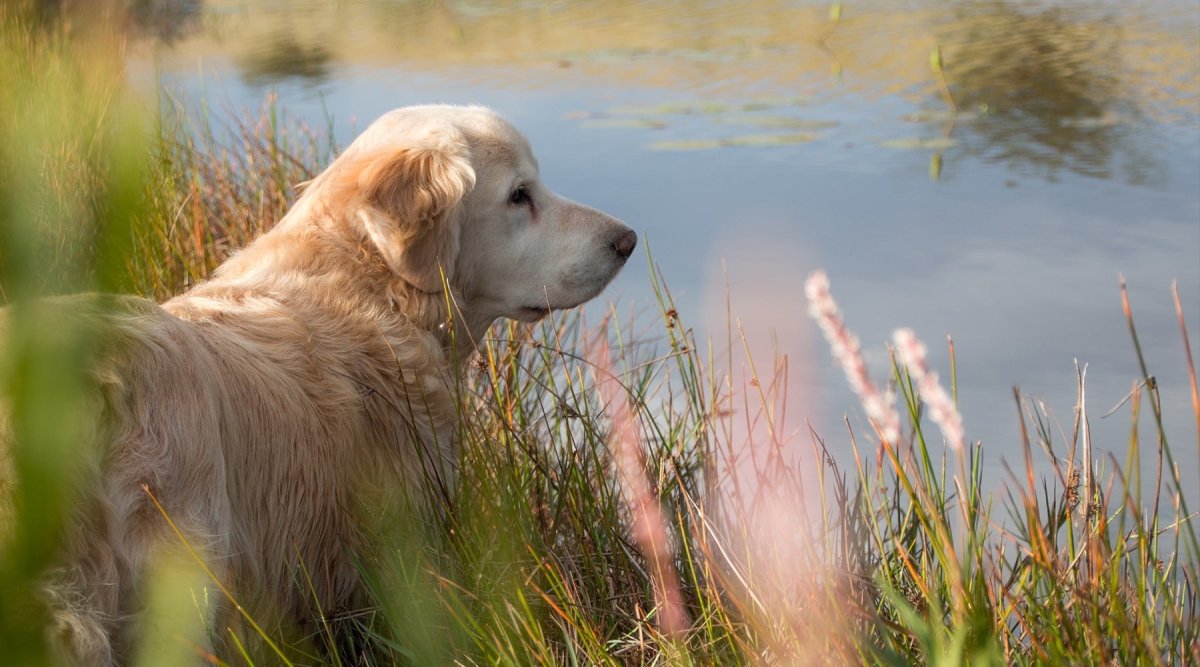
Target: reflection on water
281,57
769,138
1043,87
166,20
1055,85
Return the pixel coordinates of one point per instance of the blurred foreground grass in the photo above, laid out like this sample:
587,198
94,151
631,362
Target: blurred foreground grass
72,174
899,558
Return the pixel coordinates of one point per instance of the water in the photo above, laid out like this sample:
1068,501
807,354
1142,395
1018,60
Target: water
995,198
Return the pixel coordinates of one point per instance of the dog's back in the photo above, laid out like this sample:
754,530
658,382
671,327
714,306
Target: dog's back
218,400
110,514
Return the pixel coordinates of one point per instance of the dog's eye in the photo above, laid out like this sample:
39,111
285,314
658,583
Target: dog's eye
520,196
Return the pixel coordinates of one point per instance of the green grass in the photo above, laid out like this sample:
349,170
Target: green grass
899,556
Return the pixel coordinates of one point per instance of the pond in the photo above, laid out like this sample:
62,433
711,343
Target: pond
980,169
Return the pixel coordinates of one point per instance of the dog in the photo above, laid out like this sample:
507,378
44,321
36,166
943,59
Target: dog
316,361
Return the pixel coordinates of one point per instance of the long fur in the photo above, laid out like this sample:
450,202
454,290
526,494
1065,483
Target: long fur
256,406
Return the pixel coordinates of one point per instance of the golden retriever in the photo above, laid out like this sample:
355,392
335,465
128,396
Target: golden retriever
318,359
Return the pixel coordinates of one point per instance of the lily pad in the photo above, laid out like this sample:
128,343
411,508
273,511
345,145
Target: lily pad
743,141
916,143
939,116
779,121
769,139
624,123
671,109
685,145
1109,119
706,107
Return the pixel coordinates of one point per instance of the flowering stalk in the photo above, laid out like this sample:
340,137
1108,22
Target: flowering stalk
945,414
648,524
847,353
942,410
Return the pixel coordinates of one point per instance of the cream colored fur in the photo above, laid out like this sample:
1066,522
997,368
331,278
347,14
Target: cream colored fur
315,361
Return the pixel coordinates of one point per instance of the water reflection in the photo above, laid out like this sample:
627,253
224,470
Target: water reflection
1052,82
166,20
1047,88
284,56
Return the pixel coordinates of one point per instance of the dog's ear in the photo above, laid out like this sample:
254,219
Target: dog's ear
403,199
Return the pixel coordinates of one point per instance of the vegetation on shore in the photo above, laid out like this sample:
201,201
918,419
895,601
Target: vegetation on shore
620,502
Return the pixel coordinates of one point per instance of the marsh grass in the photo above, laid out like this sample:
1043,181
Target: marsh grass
547,553
216,185
72,169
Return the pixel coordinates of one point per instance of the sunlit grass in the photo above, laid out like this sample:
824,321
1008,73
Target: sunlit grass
72,167
899,556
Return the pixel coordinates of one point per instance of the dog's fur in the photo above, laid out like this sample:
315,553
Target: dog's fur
317,360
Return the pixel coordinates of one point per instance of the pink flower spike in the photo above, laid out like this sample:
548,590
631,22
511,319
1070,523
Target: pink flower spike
942,409
847,352
648,521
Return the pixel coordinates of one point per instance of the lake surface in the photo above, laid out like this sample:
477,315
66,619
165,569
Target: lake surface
979,169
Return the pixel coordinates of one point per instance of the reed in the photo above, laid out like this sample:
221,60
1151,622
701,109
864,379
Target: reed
622,501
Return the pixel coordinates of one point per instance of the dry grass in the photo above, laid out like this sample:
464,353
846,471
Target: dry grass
720,546
214,189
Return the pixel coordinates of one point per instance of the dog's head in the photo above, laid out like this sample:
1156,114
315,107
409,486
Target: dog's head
454,192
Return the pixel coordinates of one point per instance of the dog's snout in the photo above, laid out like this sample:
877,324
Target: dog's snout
625,243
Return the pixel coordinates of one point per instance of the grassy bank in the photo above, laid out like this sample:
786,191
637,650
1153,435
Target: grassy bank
621,501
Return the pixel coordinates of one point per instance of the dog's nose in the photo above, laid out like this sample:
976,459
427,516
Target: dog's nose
625,243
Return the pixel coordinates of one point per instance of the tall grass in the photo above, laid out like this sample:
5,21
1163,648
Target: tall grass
219,179
618,508
72,169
